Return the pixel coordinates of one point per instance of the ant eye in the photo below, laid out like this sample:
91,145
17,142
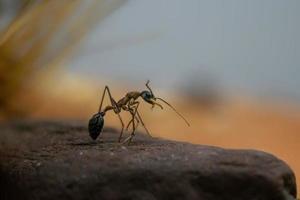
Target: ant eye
147,95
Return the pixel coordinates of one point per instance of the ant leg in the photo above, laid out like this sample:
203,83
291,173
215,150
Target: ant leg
103,95
135,110
142,122
121,133
115,106
137,123
133,113
139,118
128,139
133,129
113,102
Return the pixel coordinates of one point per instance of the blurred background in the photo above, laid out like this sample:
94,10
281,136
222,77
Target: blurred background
231,67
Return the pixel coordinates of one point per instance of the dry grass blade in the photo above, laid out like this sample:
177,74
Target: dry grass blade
40,36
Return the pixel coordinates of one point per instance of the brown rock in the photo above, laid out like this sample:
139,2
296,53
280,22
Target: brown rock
55,160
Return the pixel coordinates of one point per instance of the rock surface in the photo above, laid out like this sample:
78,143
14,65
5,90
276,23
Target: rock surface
55,160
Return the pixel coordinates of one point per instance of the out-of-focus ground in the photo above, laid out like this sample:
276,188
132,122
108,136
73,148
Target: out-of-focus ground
237,122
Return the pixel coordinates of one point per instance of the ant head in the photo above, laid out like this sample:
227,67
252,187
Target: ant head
147,96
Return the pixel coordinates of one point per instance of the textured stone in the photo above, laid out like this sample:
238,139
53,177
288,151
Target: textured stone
58,160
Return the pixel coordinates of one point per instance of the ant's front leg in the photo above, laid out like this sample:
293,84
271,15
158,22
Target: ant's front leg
143,124
139,119
133,114
137,123
134,110
129,138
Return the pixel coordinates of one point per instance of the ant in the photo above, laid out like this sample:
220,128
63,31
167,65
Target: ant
130,104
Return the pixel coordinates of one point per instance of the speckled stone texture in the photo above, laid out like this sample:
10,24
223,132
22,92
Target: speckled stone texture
58,160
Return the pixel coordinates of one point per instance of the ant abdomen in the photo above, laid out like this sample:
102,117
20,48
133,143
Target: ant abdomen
96,124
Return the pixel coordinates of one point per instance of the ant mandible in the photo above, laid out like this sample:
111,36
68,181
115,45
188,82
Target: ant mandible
130,104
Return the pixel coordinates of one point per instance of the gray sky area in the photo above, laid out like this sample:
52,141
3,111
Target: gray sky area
245,45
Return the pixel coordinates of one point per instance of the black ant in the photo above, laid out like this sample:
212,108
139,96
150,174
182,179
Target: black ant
130,104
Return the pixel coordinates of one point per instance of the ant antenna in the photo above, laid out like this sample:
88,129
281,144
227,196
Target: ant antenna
174,110
147,85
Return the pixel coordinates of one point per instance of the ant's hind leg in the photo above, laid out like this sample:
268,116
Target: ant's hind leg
115,108
102,99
